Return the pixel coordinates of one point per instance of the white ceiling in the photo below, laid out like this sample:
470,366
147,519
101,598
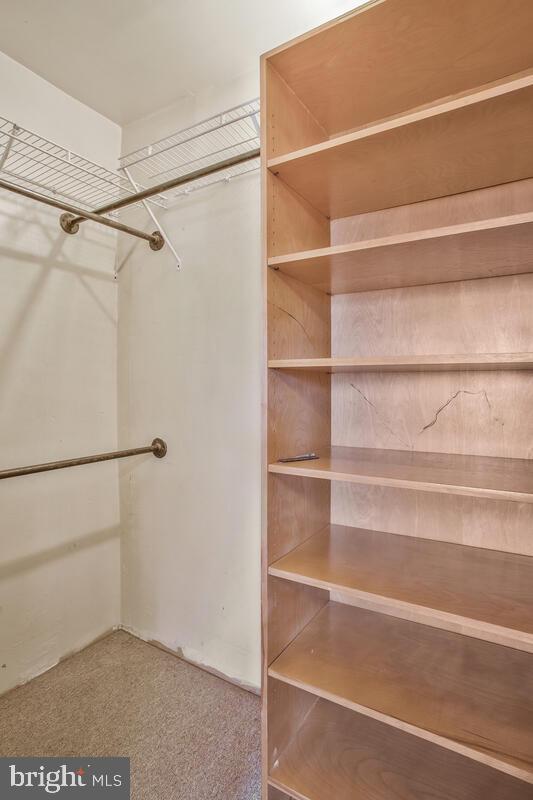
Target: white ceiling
129,58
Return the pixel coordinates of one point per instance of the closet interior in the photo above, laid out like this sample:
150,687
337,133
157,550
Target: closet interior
398,247
216,149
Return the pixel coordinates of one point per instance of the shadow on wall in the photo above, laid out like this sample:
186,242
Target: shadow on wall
10,569
19,225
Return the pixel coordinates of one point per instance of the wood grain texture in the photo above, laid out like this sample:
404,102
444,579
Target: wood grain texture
389,57
297,508
287,709
474,412
308,227
483,316
475,476
289,124
277,794
479,249
470,696
453,147
470,521
493,202
300,413
469,590
290,608
299,321
339,754
427,363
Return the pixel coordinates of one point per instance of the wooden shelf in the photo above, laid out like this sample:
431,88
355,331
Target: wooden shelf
469,696
338,754
481,249
474,476
473,140
385,58
429,363
483,593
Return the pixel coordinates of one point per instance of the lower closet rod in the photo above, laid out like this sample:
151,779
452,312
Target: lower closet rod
158,448
155,239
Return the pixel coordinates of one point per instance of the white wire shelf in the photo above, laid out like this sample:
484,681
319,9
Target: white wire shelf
33,162
231,133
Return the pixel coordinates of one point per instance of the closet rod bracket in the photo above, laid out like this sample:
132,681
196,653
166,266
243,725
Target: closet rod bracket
159,447
68,224
157,241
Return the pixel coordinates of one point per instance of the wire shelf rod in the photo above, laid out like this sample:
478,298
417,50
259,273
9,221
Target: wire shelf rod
170,184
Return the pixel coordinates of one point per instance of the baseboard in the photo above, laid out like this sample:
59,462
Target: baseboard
65,657
248,687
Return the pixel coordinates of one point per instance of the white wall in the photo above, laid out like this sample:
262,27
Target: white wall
190,364
59,532
190,370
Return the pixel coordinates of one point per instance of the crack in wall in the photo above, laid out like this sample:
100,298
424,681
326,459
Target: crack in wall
380,418
302,326
450,400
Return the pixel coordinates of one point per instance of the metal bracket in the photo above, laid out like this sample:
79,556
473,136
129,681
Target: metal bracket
159,447
153,216
157,241
67,223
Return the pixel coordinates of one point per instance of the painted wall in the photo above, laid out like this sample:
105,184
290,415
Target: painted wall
59,532
190,367
190,371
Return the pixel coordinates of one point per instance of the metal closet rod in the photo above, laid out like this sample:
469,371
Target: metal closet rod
170,184
155,239
158,448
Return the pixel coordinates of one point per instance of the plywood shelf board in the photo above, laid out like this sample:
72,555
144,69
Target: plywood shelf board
479,249
474,476
429,363
339,754
486,594
468,142
472,697
387,57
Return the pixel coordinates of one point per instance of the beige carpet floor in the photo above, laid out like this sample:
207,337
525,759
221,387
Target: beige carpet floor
189,734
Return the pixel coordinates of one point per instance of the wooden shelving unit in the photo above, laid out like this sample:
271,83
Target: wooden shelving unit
398,251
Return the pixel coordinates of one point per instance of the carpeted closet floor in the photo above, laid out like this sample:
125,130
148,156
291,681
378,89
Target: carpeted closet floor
189,734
